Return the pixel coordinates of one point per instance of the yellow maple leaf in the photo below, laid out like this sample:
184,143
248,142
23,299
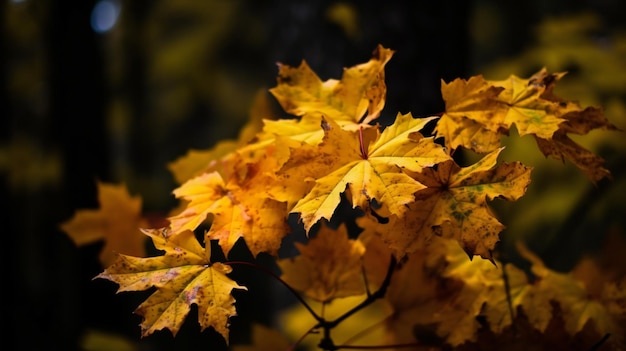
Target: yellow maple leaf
456,199
183,276
328,266
454,205
531,105
478,112
358,97
369,170
536,110
117,222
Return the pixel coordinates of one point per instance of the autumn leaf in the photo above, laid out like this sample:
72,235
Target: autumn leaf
489,107
239,208
358,97
538,111
479,111
328,266
183,276
457,200
370,171
454,205
117,222
531,104
481,292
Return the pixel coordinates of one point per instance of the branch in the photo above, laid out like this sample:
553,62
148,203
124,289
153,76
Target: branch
275,276
327,343
370,299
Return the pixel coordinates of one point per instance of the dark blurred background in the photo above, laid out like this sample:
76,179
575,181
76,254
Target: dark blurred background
113,90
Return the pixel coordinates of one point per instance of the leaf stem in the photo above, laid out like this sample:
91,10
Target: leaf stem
364,154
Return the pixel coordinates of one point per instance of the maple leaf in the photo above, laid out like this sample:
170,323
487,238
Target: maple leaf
454,205
479,111
369,170
361,90
117,222
239,208
531,105
183,276
328,266
456,199
538,111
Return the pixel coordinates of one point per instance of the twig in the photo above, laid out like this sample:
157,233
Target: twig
294,292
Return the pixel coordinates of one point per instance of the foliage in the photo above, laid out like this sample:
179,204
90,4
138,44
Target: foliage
422,217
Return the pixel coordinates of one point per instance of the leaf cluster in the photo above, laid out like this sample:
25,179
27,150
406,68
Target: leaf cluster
423,216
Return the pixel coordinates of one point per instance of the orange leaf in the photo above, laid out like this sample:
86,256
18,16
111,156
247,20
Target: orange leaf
117,222
328,267
239,209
